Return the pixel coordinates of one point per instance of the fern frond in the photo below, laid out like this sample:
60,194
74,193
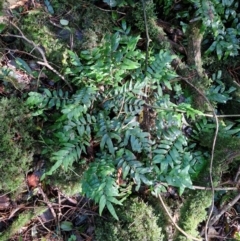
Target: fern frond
66,156
169,153
159,71
98,183
80,103
139,140
135,87
48,99
133,105
107,133
131,166
85,96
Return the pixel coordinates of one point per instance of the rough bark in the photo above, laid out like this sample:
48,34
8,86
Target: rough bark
194,48
194,60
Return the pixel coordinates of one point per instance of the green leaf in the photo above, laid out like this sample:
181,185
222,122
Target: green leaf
158,159
167,84
2,27
219,51
103,141
23,65
112,210
47,92
49,6
74,59
113,200
34,99
66,226
129,64
145,180
126,170
124,25
64,22
115,40
102,204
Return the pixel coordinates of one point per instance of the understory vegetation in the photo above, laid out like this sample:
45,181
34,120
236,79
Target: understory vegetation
120,120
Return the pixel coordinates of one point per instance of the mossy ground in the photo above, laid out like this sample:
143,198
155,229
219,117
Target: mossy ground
137,221
16,143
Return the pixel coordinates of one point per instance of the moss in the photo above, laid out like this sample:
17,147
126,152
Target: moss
87,26
193,212
151,18
137,221
194,50
95,24
68,182
37,28
163,220
16,143
226,144
22,220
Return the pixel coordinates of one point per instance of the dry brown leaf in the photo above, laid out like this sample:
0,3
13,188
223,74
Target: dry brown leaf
33,180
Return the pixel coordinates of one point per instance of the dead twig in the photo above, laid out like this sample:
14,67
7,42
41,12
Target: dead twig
216,188
190,237
49,231
108,10
49,204
219,188
216,217
237,175
147,43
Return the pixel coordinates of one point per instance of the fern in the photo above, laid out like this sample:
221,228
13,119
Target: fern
47,99
72,129
112,93
159,71
198,162
126,98
120,56
218,93
133,105
131,166
81,102
65,157
220,18
98,183
107,133
140,141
